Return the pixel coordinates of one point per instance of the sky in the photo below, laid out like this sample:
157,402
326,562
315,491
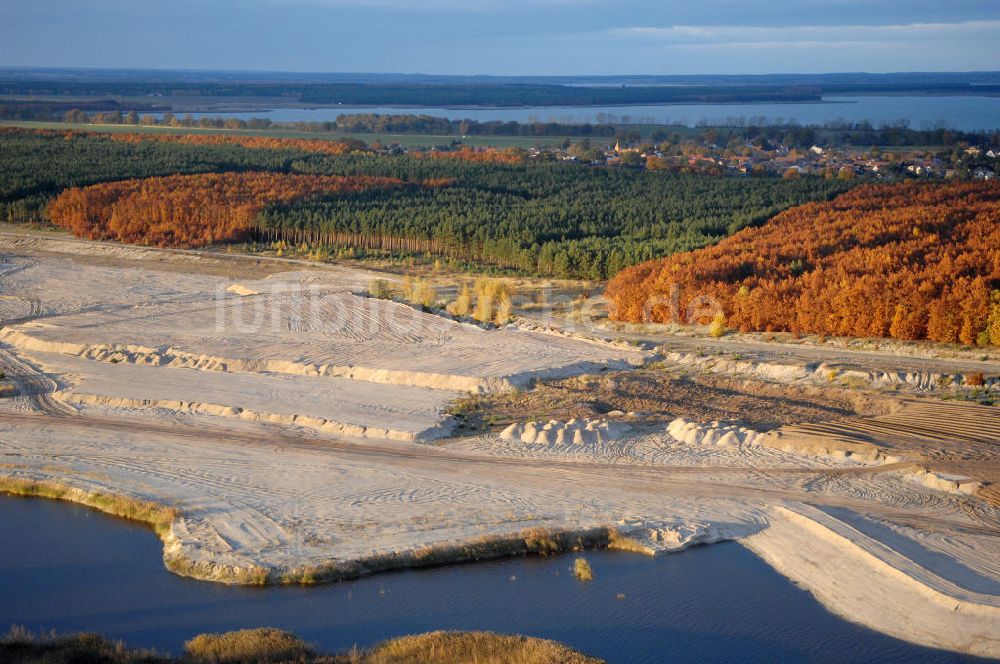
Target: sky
544,37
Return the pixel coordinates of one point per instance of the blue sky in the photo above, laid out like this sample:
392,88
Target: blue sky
506,36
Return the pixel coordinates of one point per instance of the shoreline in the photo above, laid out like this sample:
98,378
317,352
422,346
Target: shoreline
161,518
797,542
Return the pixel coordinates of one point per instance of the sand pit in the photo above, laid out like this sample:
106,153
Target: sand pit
331,405
296,323
245,430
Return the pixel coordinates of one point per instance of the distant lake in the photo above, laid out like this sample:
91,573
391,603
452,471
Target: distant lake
66,567
922,112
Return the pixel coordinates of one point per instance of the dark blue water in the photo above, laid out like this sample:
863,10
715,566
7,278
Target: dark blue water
66,567
964,112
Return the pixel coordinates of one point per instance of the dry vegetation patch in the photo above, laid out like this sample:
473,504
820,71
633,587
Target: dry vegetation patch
251,646
159,517
247,645
654,395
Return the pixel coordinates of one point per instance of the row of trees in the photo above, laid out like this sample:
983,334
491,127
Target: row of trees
250,142
908,261
189,210
376,123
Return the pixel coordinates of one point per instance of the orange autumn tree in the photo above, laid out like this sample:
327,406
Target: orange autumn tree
189,210
908,261
252,142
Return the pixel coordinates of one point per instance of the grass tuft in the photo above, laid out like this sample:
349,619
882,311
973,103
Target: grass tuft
248,646
582,570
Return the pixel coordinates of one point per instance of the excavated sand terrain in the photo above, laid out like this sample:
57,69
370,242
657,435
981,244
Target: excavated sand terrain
297,449
300,323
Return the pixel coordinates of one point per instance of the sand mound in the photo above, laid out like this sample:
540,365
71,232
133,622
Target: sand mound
654,537
948,482
240,289
714,433
554,432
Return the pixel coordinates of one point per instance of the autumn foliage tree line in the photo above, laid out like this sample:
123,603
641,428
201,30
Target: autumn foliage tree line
190,210
907,261
245,141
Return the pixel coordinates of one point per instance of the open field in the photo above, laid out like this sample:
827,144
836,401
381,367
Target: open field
304,432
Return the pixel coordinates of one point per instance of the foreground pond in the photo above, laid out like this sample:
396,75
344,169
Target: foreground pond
66,567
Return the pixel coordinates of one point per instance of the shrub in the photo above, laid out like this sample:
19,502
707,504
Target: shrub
975,379
582,570
484,309
505,310
264,644
423,294
20,646
494,289
462,306
718,326
379,288
465,647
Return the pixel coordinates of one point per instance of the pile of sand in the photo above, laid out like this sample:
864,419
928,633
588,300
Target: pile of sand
713,433
577,432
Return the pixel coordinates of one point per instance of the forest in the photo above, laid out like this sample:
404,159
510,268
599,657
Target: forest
189,210
907,261
496,208
37,165
553,219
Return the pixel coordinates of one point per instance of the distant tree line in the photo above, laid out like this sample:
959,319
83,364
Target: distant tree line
55,111
419,94
863,134
375,123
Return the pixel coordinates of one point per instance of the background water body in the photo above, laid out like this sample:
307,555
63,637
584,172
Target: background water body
69,568
967,113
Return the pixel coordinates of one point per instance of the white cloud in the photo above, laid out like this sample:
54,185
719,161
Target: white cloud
705,36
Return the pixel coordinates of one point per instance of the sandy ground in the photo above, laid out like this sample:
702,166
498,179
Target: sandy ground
129,385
